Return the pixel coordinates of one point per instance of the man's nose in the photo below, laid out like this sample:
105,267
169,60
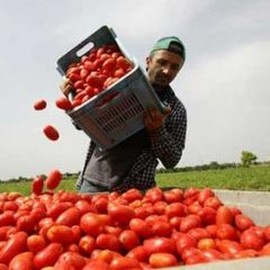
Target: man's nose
167,70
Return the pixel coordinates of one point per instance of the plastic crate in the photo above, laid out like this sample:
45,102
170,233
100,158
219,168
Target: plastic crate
117,112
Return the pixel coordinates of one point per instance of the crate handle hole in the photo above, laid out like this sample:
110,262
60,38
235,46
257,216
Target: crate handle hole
85,49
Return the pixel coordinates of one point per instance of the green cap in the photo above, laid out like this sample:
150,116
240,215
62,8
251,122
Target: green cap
172,44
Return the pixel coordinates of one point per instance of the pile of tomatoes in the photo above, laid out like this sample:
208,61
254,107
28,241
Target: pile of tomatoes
96,71
59,230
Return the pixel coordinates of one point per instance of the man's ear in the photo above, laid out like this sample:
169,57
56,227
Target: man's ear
147,60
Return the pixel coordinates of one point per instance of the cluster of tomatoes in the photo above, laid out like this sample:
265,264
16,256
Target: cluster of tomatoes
96,71
51,230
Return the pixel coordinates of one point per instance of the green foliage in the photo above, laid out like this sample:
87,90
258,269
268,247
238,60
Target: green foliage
238,178
247,158
235,178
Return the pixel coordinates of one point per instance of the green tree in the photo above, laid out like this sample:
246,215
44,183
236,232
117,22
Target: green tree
247,158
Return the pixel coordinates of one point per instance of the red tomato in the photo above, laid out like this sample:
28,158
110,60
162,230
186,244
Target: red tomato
206,243
153,195
213,202
175,222
108,241
109,65
94,80
105,255
173,195
162,228
191,192
175,209
120,263
212,229
26,223
189,222
48,256
252,238
207,215
132,194
184,241
159,244
226,231
53,179
72,259
243,222
10,205
60,233
88,65
129,239
162,259
91,224
69,217
7,218
265,251
123,63
101,204
37,185
210,255
3,266
119,72
140,227
139,253
4,232
96,265
121,214
229,247
35,243
51,132
112,229
56,209
247,253
224,215
63,103
22,261
159,207
199,233
204,194
87,244
194,207
40,105
190,252
84,206
14,246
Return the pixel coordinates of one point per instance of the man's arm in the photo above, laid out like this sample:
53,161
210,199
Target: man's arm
168,140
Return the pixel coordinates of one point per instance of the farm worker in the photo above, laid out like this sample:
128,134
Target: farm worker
132,163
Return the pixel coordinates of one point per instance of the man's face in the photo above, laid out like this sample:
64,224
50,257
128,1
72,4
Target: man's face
162,67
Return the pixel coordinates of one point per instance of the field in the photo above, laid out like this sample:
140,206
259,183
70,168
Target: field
252,178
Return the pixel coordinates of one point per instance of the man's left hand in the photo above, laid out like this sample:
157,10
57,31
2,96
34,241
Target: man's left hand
154,119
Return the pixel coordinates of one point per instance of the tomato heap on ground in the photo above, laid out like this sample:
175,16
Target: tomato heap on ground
55,230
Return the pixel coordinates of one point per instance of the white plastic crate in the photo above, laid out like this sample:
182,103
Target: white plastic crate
106,120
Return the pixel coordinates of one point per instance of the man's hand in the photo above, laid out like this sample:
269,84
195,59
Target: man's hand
154,119
65,86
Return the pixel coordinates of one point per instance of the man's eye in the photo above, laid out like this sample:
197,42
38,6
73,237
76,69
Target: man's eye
175,67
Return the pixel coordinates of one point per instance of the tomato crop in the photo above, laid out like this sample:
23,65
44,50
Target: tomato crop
95,72
61,230
51,132
40,105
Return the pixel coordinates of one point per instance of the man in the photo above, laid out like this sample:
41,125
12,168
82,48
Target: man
132,163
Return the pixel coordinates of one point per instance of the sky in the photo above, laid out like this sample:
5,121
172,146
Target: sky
224,83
